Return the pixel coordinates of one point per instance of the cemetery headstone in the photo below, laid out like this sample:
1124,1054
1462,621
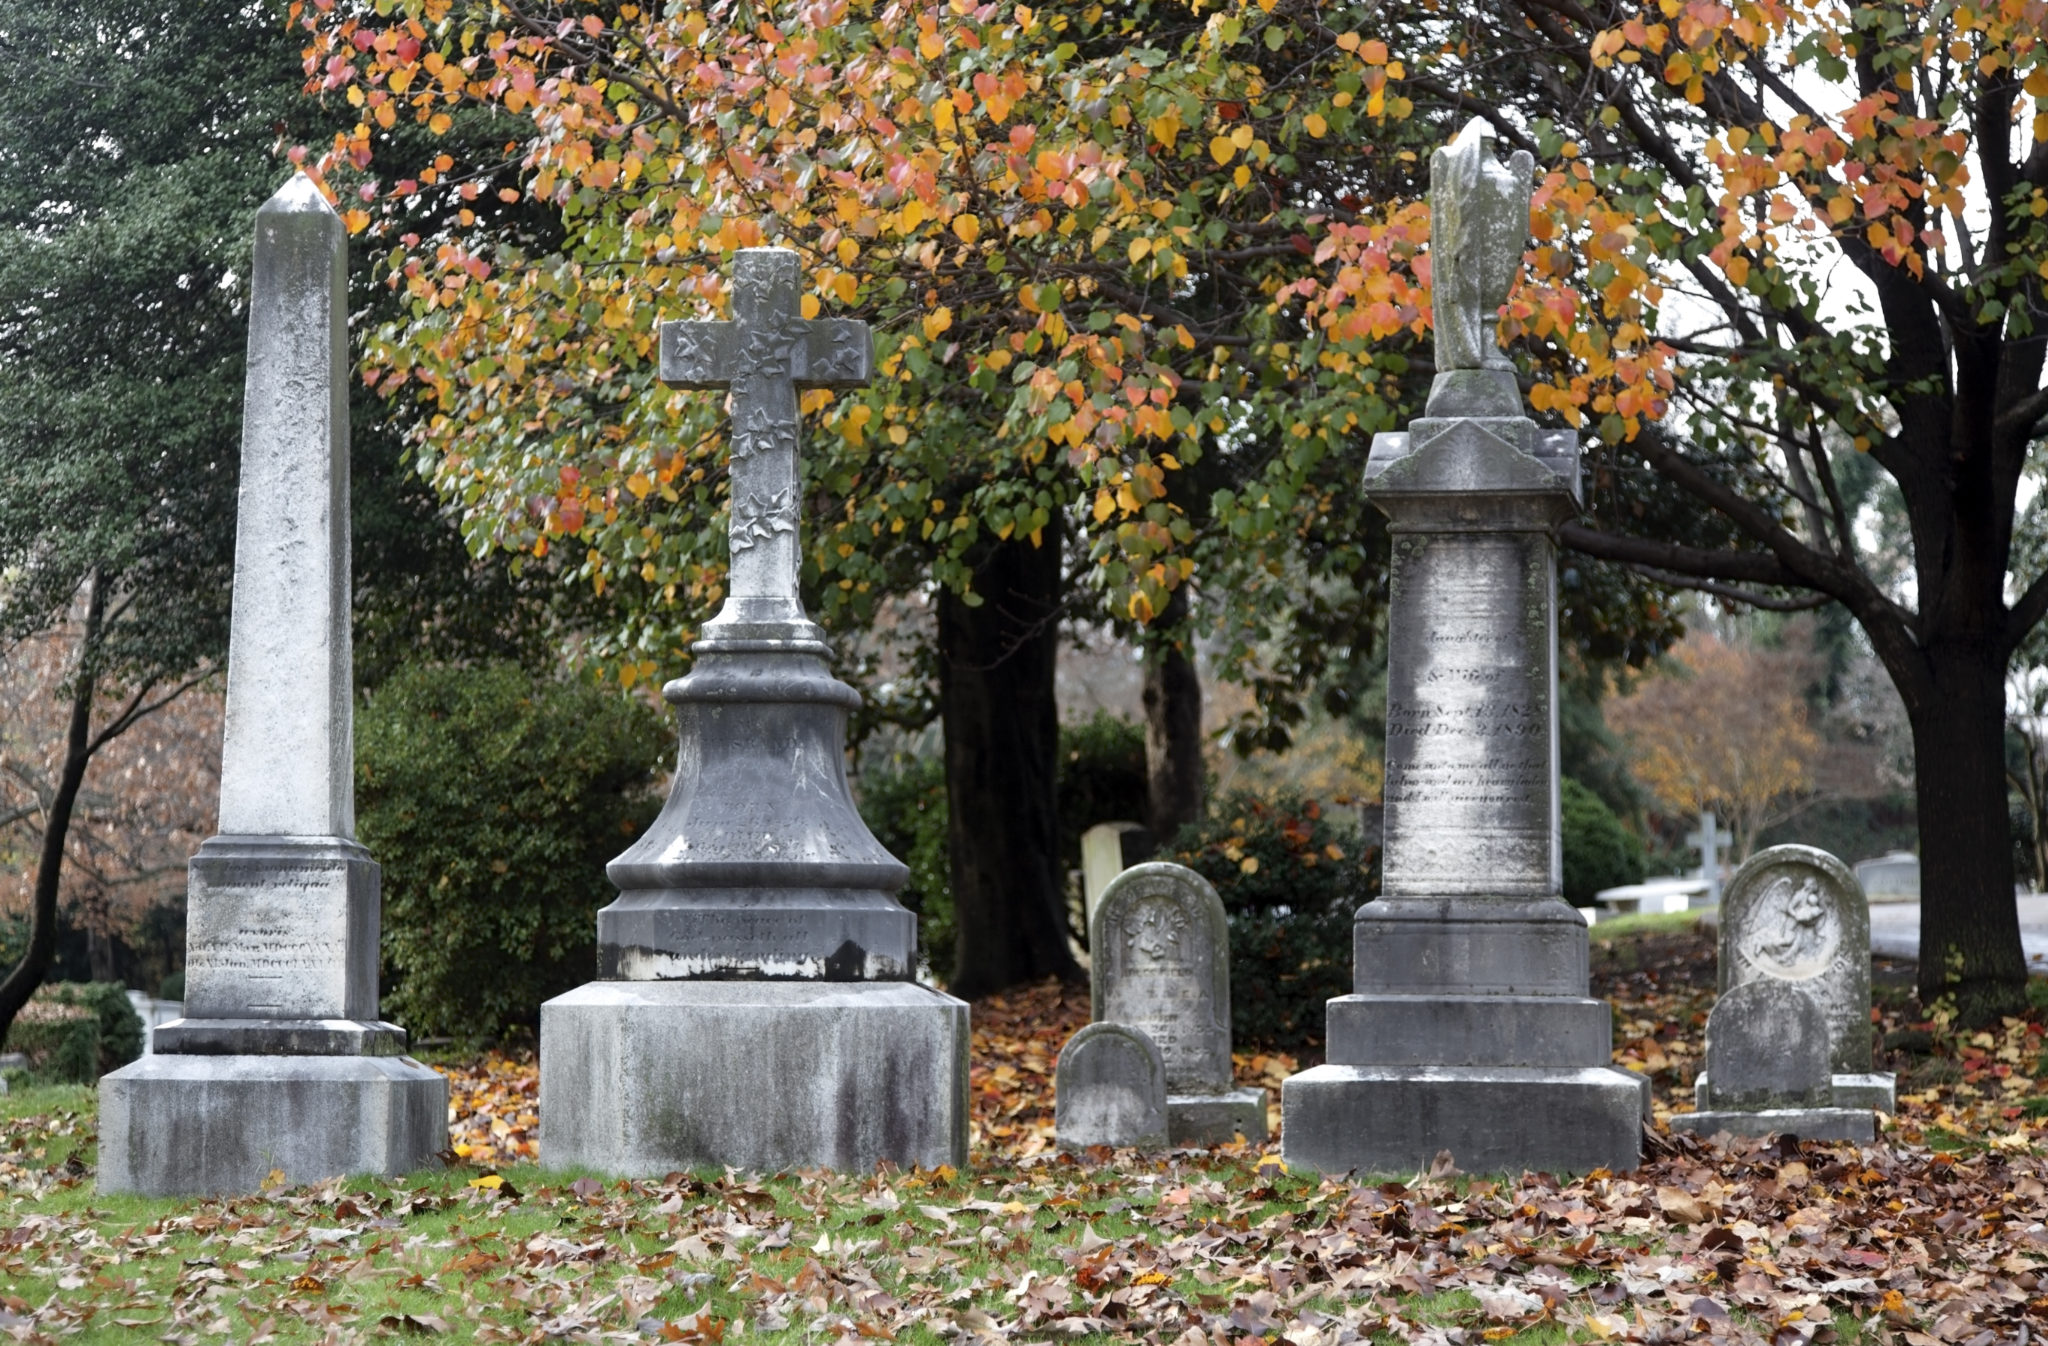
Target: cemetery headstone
280,1061
1767,1054
1109,1088
755,1006
1159,954
1795,914
1107,850
1470,1029
1894,877
1707,839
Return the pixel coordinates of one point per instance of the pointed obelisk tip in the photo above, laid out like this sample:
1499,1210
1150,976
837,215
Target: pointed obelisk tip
301,195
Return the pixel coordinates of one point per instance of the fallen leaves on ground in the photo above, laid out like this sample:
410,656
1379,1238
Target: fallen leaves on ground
1939,1233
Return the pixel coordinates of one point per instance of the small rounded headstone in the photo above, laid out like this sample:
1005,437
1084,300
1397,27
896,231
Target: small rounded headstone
1796,914
1109,1088
1767,1047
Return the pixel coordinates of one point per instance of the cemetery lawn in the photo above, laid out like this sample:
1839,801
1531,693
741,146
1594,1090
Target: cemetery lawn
1939,1233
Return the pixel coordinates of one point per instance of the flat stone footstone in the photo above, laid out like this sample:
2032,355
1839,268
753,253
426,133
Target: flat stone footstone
1109,1088
1852,1124
1767,1047
1216,1119
174,1125
643,1077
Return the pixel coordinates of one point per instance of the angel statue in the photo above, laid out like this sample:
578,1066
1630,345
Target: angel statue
1478,222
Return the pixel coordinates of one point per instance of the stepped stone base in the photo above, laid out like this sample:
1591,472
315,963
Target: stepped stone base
1211,1119
641,1078
1397,1119
219,1125
1855,1124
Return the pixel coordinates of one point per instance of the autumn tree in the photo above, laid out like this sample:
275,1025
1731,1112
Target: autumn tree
1725,731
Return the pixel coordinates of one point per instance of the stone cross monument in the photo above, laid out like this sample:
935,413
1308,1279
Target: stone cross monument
1470,1028
756,1003
1707,839
281,1061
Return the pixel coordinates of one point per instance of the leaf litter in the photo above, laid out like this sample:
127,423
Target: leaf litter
1938,1233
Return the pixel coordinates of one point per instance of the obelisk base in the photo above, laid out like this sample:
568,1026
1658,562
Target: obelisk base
178,1125
1395,1120
641,1078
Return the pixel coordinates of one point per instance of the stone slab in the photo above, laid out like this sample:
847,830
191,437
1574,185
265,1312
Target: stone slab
1470,1030
638,1079
1217,1119
287,752
1160,961
1469,946
1877,1090
1395,1120
219,1125
281,928
1854,1124
277,1037
1767,1048
1109,1088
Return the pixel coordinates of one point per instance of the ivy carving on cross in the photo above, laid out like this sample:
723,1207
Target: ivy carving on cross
765,355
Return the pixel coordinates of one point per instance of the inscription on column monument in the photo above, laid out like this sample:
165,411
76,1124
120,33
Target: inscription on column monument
1469,741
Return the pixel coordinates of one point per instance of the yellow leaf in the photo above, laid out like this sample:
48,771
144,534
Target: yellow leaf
490,1182
848,251
930,47
1165,128
356,220
440,123
1139,247
1315,124
937,321
1222,150
967,227
809,306
1347,41
913,214
638,483
845,286
942,115
1248,865
1105,505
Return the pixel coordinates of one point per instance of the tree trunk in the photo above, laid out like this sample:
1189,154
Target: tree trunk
1173,724
1001,724
28,974
1969,923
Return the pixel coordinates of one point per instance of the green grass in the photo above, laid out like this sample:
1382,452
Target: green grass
1643,923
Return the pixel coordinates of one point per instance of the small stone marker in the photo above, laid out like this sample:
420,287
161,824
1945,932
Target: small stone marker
280,1061
1795,914
1160,955
1109,1088
756,1004
1767,1057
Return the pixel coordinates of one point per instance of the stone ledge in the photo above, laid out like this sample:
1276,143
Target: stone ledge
1853,1124
1877,1090
639,1079
1469,1030
277,1037
219,1125
1396,1120
1211,1119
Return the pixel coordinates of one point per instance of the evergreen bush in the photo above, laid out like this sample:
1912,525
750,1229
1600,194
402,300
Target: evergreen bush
493,802
74,1032
1599,852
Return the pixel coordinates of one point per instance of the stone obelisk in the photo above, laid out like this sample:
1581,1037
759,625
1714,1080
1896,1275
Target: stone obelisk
1470,1028
281,1063
756,1005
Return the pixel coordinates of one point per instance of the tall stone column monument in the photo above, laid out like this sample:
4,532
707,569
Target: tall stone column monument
1470,1028
756,1005
281,1062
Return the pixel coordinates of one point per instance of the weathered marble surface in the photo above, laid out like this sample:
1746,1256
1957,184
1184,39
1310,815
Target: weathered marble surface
1795,914
1470,1028
1109,1088
287,752
1767,1047
1160,955
280,1061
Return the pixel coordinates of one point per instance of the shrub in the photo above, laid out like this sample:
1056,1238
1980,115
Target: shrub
493,803
1290,881
74,1032
1101,778
1598,851
904,804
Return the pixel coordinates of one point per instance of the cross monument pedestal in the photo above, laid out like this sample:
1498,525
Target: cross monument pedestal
280,1062
756,1004
1470,1028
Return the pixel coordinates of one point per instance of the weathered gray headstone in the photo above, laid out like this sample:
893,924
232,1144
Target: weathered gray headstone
1767,1055
1795,914
1159,948
280,1061
1470,1029
1109,1088
1893,877
756,1005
